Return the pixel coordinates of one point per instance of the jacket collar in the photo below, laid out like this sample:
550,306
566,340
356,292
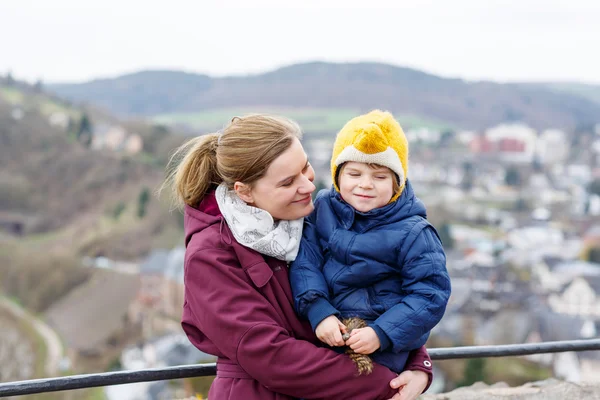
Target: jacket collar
405,206
198,218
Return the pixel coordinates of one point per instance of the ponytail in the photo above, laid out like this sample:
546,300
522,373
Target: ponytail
246,147
192,171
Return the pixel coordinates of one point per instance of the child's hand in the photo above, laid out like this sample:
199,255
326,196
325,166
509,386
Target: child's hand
363,340
330,331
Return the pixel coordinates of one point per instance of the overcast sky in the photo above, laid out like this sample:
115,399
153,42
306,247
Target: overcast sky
511,40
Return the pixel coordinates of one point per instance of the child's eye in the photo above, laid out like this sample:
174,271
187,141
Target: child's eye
381,177
353,174
288,184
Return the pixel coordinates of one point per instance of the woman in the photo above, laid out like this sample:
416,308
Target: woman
245,192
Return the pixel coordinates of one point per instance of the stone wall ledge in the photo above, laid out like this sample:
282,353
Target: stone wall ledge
550,389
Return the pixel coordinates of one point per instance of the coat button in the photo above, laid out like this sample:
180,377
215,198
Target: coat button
427,363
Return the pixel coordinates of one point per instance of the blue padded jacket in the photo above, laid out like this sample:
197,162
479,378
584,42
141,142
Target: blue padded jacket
386,266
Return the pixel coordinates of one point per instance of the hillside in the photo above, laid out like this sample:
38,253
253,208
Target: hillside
355,87
591,92
55,193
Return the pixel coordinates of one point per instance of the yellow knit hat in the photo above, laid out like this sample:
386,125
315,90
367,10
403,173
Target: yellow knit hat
373,138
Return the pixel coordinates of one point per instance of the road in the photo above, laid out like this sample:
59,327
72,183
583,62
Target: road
10,342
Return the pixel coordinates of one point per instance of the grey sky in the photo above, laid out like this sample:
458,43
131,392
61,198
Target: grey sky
511,40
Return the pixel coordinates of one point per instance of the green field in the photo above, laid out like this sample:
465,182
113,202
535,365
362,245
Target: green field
11,95
312,120
41,102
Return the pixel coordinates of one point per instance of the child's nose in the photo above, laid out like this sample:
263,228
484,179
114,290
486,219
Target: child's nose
366,182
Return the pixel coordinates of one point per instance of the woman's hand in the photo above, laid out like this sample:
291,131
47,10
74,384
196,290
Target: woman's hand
330,331
410,385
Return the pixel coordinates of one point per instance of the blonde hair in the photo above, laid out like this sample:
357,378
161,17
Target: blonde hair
242,152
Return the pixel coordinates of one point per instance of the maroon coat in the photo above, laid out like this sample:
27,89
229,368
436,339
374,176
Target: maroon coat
238,306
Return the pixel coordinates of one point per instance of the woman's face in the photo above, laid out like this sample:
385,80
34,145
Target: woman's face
285,190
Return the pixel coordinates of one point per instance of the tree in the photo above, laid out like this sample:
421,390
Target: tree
521,204
594,187
536,164
38,86
446,236
594,255
84,130
119,210
512,177
474,372
9,79
143,202
85,125
446,137
468,175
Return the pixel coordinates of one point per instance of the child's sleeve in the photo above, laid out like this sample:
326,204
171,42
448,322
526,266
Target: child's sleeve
427,286
310,290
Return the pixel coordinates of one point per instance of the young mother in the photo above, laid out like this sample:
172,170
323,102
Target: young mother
245,192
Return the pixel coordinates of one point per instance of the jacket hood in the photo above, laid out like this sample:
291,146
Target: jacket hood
196,219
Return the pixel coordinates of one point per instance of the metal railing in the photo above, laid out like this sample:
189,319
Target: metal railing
189,371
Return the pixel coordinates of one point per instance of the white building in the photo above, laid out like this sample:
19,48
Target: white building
423,135
552,146
579,299
513,142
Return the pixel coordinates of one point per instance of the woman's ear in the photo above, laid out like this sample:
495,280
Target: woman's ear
243,191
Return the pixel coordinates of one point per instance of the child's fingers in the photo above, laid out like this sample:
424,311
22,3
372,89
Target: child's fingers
355,331
331,337
354,342
327,338
357,348
351,341
337,338
362,349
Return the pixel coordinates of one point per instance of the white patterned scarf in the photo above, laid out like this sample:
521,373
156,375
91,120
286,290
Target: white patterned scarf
256,229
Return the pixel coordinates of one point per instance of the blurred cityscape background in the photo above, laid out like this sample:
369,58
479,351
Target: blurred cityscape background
502,112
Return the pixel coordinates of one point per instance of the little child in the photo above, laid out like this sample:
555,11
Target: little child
368,250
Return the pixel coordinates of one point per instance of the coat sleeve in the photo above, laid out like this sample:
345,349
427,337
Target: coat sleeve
309,287
419,360
426,285
244,326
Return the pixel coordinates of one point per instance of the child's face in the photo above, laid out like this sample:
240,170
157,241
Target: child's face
364,187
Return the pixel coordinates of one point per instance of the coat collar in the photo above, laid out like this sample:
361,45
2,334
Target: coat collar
406,206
